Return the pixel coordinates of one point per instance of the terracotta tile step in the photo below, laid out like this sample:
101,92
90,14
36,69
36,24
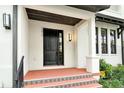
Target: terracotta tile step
89,86
64,84
58,79
36,74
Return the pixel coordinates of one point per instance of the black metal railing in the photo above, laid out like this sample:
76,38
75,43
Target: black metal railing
20,76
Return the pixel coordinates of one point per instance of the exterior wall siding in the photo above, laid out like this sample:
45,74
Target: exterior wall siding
114,11
5,49
23,36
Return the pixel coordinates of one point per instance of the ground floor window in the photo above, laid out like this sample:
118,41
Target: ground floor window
104,45
97,43
106,40
113,41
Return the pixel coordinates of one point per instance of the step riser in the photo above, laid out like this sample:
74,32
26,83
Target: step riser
50,80
73,84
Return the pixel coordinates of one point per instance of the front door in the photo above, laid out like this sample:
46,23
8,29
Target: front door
53,47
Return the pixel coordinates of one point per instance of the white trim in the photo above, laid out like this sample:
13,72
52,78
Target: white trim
108,40
90,57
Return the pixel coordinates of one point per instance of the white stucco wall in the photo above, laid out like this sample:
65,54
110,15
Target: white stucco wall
85,56
5,50
23,37
113,59
81,44
36,44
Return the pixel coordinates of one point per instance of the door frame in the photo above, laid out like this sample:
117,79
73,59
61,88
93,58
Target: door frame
57,45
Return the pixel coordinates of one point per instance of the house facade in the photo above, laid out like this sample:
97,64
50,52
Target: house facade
56,37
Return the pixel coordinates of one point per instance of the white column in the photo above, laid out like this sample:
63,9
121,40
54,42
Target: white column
81,44
92,60
91,23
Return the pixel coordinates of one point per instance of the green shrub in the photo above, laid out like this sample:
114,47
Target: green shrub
102,65
104,83
114,76
122,80
106,67
111,83
118,73
116,84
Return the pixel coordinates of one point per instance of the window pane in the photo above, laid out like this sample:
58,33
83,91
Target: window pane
113,41
60,48
104,45
60,42
97,43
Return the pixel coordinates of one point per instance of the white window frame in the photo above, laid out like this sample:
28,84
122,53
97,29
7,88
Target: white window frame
108,40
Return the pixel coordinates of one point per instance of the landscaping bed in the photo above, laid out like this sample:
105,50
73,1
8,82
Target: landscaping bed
111,77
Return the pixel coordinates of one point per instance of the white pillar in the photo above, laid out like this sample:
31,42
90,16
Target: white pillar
92,60
81,44
91,25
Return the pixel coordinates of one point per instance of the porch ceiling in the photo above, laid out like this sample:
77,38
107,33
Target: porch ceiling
51,17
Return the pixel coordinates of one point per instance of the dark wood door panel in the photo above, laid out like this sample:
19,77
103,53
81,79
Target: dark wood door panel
53,54
50,47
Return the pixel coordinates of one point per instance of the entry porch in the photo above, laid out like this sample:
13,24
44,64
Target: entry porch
70,45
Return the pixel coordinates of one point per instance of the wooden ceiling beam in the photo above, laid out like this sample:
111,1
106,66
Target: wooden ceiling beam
51,17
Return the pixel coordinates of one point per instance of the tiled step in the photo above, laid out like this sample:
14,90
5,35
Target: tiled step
96,85
57,79
64,84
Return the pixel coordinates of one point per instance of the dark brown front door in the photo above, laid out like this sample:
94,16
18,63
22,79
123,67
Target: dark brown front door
53,47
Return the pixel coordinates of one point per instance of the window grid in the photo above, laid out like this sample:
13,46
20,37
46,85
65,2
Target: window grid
113,41
103,44
104,41
97,42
